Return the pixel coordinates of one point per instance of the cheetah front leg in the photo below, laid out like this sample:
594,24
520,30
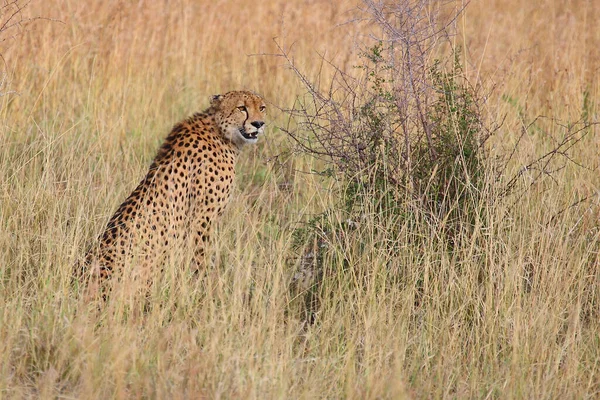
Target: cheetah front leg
201,242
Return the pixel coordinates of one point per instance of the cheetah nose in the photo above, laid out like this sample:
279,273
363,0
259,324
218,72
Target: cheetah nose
257,124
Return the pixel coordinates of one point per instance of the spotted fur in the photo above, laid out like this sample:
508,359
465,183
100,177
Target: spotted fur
186,188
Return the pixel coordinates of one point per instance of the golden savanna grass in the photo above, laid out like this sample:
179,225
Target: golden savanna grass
98,84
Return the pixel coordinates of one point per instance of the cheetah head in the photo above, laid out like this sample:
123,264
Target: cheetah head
240,115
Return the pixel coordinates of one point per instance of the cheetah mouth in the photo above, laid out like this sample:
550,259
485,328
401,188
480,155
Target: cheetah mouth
249,136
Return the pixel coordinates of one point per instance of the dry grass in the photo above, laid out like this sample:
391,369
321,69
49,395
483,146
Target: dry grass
513,315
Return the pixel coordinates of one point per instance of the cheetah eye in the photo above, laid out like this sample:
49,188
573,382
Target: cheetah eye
263,108
243,109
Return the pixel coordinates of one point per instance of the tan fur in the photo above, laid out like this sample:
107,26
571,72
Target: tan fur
186,189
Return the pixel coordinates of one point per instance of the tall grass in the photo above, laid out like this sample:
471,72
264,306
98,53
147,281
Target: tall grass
512,312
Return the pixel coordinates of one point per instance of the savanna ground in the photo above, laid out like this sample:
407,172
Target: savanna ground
96,85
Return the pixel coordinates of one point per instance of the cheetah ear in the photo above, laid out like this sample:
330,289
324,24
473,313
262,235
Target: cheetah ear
216,99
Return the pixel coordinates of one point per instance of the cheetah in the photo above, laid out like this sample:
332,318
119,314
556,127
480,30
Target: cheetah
185,190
